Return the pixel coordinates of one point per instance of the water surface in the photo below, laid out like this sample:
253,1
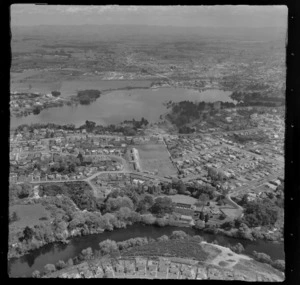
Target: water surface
117,106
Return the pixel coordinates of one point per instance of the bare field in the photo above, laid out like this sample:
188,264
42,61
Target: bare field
156,157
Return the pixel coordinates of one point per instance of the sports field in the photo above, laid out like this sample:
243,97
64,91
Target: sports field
156,157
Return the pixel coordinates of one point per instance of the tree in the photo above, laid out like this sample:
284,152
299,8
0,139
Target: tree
279,264
90,126
24,191
36,274
145,203
87,253
129,131
206,218
55,93
163,238
238,248
178,235
181,187
212,172
70,262
222,216
133,196
260,213
28,233
244,232
244,200
114,204
124,213
201,216
161,222
108,246
202,201
14,217
228,225
162,206
199,224
49,268
80,157
60,265
36,110
262,257
224,190
172,192
148,219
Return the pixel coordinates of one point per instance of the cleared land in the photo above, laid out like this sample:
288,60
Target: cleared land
155,157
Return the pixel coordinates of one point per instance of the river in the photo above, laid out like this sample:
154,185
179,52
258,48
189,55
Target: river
37,259
117,106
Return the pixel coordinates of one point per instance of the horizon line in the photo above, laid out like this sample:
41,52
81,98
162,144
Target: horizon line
146,25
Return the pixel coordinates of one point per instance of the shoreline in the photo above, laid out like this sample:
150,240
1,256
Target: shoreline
205,231
71,99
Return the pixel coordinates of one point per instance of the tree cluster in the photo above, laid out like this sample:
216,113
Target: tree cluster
85,97
260,213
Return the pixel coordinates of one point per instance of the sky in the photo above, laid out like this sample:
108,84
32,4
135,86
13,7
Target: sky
184,16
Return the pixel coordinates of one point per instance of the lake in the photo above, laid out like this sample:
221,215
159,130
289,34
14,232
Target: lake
117,106
52,253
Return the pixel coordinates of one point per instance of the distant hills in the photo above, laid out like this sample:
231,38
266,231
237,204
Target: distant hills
125,31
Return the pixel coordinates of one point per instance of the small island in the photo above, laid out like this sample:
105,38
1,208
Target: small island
85,97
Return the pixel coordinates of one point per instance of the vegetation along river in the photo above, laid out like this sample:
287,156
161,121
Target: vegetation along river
37,259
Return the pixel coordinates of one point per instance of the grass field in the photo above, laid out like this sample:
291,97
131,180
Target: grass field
29,215
183,199
231,212
156,157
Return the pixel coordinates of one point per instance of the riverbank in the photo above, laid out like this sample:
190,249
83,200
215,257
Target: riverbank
52,253
178,248
248,235
19,250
